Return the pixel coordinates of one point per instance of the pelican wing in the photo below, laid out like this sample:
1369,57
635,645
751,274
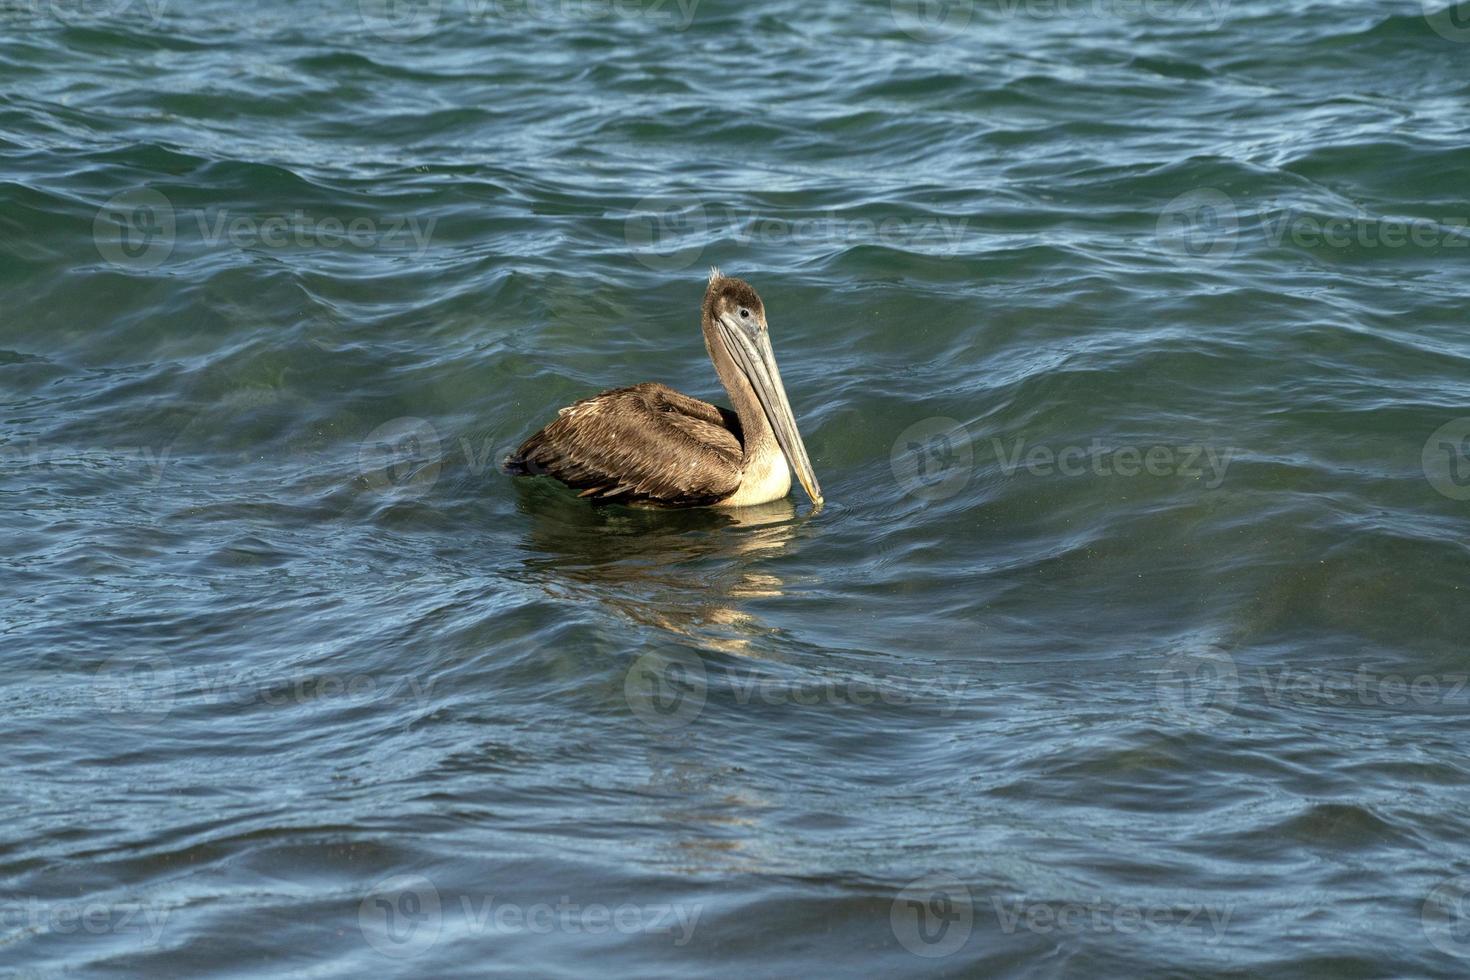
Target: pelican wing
645,444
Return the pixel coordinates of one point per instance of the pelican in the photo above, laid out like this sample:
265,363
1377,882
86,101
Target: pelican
649,445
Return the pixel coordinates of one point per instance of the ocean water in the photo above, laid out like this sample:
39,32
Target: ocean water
1130,345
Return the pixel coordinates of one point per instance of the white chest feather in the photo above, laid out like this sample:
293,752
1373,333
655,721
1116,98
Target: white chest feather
766,478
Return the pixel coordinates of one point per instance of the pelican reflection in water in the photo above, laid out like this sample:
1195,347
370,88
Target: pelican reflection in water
637,567
649,445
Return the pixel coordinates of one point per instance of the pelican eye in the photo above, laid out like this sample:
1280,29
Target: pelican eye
744,314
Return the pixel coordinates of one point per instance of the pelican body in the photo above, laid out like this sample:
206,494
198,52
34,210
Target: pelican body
649,445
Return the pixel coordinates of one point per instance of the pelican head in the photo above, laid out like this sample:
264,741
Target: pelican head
735,326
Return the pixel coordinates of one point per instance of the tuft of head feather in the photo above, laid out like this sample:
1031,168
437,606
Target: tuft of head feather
714,273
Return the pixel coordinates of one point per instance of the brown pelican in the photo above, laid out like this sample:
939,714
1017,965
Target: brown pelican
651,446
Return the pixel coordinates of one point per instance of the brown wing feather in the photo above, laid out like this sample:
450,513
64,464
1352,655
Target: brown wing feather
645,444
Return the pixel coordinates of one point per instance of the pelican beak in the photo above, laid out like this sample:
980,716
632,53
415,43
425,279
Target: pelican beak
751,348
